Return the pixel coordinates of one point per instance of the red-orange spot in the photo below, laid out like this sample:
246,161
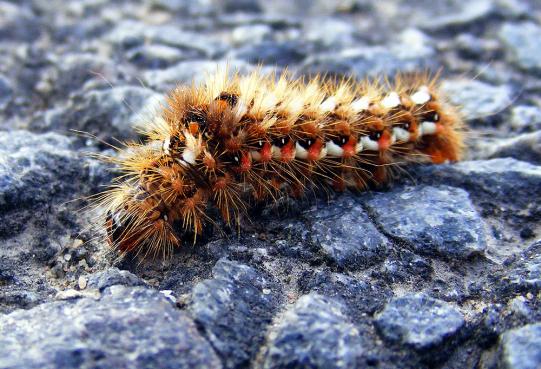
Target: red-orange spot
245,162
288,151
349,147
266,152
314,151
385,140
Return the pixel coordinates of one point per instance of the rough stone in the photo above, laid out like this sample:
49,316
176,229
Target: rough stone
419,321
526,147
270,52
315,332
506,180
432,220
117,111
526,117
521,347
233,309
523,42
362,297
155,56
133,327
347,236
6,91
477,100
112,277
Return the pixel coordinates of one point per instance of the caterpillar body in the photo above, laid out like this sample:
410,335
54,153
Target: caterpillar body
231,141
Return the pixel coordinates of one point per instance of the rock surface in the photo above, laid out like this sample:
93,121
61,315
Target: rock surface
434,220
314,333
419,321
126,326
442,270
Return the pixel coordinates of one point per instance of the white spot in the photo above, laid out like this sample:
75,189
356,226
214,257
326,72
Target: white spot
400,134
392,100
166,144
329,104
188,156
334,150
300,152
358,147
427,128
323,152
369,144
169,295
422,96
360,104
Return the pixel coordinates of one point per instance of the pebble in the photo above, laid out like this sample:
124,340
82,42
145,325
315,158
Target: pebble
419,321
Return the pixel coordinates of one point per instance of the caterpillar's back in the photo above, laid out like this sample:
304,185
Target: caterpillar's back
231,141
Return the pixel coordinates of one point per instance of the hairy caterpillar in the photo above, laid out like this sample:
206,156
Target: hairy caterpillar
232,140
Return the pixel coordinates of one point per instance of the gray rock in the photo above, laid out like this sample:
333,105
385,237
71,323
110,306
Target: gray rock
6,91
155,56
367,61
186,40
363,297
330,32
521,347
525,147
505,180
432,220
526,117
476,99
454,14
112,277
419,321
233,309
73,71
308,7
133,327
526,275
314,333
29,169
254,34
523,44
114,112
270,52
347,236
188,7
186,72
18,23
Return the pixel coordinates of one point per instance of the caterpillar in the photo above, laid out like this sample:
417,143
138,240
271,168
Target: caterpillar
236,140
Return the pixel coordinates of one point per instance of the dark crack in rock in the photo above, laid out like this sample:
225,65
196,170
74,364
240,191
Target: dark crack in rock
361,297
125,327
234,309
419,321
314,333
432,220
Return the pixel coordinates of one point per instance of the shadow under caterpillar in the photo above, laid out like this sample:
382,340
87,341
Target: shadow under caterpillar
237,139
